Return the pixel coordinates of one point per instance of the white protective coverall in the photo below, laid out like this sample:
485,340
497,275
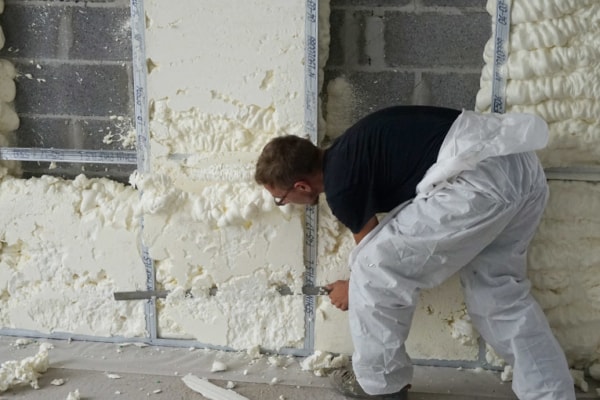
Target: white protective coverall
476,210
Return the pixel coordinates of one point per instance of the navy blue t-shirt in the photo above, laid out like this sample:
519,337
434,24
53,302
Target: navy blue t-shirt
378,162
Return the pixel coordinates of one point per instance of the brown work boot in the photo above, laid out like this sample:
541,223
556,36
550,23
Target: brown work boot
345,382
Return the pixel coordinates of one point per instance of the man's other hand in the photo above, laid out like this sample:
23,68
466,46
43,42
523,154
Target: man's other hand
338,294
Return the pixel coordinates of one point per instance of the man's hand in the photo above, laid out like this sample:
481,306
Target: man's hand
338,294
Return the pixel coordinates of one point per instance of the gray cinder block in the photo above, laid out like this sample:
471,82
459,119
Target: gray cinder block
375,90
73,89
454,90
73,133
436,39
101,34
31,31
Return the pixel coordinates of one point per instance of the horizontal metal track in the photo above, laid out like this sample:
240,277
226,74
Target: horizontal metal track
579,173
68,155
186,343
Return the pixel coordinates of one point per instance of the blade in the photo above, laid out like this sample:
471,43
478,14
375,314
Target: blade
315,290
159,294
285,290
140,295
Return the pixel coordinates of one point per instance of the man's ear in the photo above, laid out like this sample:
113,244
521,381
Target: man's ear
302,186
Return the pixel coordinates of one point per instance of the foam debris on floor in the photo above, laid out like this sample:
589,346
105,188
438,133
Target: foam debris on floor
157,372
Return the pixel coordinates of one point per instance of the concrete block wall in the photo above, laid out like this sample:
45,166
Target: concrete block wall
75,81
397,52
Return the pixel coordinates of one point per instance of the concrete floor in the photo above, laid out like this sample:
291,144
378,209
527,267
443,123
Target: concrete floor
94,385
156,372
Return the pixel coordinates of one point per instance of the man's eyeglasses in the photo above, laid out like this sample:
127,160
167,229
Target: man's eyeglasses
280,201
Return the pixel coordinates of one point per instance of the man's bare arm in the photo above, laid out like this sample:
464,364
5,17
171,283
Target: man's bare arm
338,291
369,226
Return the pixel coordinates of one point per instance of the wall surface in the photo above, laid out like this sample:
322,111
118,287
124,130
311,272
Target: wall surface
207,223
384,53
389,52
